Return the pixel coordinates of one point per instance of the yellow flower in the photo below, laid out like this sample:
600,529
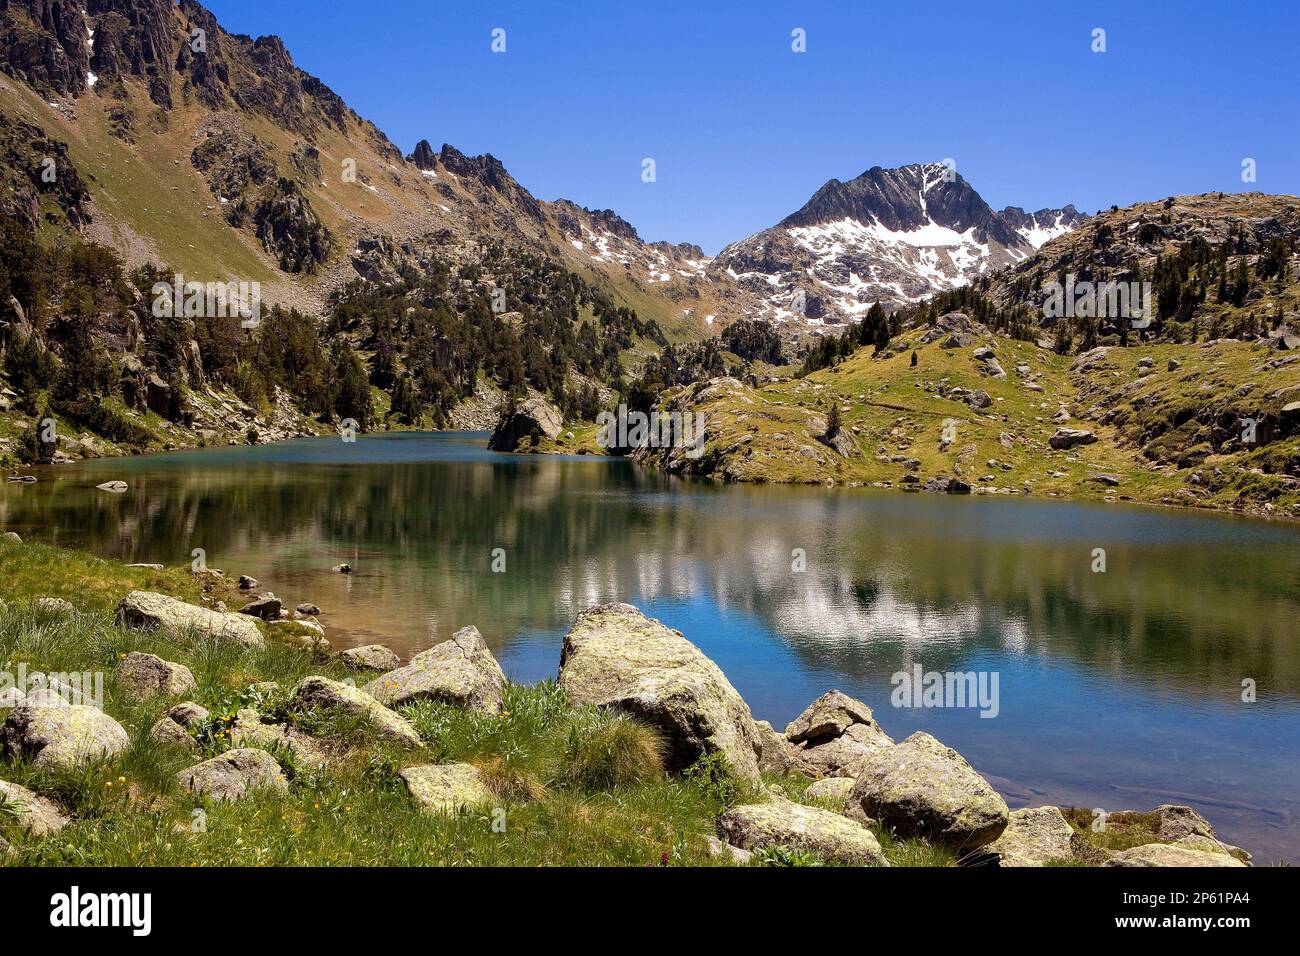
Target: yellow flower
121,779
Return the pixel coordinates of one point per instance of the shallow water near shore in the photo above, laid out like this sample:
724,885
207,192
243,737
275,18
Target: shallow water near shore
1116,690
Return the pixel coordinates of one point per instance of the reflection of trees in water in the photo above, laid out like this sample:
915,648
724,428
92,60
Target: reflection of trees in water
890,580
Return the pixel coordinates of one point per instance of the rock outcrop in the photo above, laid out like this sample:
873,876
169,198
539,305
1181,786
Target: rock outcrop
616,657
533,420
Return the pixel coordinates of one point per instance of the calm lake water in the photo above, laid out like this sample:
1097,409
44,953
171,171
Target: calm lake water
1117,690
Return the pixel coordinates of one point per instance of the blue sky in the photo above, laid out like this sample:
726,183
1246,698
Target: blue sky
743,130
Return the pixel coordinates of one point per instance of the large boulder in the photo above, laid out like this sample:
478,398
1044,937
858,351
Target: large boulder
234,774
35,814
56,737
145,674
920,788
793,826
321,693
448,787
833,734
533,420
461,671
1162,854
616,657
149,610
266,606
1033,837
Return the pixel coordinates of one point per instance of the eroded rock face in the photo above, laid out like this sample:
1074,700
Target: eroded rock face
535,418
447,788
149,610
233,775
1034,836
1162,854
328,695
833,733
147,674
920,788
783,823
461,671
61,736
35,814
374,657
616,657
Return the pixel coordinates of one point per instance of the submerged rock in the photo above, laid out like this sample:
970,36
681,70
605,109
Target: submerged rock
616,657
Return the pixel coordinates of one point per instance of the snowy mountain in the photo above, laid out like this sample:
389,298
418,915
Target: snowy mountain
892,236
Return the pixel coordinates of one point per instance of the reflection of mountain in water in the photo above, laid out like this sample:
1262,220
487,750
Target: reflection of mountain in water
890,579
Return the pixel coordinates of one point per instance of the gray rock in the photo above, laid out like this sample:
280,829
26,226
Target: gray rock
168,731
247,584
12,537
267,607
146,674
920,788
776,756
1163,854
234,774
1071,438
374,657
188,713
310,610
1034,836
321,693
833,790
447,788
146,609
54,605
733,853
34,813
534,419
58,737
116,487
461,671
616,657
11,697
1178,821
784,823
833,733
249,730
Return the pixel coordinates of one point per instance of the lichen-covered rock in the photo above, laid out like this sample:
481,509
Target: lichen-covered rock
373,657
733,853
34,813
833,734
233,774
146,674
783,823
1034,836
1179,821
61,736
149,610
1163,854
447,788
54,605
775,756
168,731
321,693
616,657
833,790
920,788
249,730
461,671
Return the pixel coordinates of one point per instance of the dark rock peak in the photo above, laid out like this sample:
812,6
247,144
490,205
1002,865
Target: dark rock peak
490,171
45,44
905,199
423,157
1015,217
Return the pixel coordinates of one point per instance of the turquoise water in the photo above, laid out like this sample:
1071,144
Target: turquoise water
1117,690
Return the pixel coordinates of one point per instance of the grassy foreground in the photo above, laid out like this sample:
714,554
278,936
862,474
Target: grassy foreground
576,786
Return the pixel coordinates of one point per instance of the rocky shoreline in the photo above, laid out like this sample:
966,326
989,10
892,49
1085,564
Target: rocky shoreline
831,788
